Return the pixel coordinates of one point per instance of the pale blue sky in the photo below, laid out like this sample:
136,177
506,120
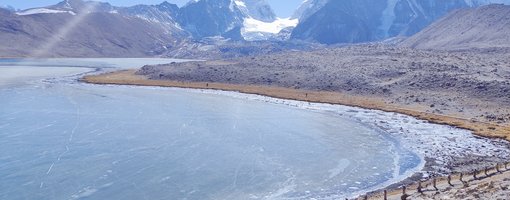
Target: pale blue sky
283,8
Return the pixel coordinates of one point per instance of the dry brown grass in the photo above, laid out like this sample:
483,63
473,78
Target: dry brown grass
128,77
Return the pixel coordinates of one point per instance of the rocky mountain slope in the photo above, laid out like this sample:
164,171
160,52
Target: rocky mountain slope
80,31
256,9
308,8
487,26
353,21
156,29
164,14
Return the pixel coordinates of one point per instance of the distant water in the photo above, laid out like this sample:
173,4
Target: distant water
60,139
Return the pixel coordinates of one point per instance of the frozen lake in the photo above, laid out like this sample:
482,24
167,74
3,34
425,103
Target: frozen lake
61,139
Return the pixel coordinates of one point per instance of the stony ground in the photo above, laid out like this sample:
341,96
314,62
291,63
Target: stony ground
495,186
469,84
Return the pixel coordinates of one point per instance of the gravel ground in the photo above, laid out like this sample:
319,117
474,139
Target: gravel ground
466,84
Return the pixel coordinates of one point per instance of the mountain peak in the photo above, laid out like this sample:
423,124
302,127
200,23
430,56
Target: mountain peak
166,3
256,9
307,8
206,18
7,7
80,5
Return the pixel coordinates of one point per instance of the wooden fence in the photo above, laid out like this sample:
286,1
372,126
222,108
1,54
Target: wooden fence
438,184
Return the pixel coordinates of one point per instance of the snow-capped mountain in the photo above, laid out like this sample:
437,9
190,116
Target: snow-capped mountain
351,21
207,18
8,7
253,18
77,6
70,7
164,14
260,22
256,9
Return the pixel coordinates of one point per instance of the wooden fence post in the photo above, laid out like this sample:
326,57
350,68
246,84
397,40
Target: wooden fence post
404,195
450,180
434,183
419,187
497,168
385,195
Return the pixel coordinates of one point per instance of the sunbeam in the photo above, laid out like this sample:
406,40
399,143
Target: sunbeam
63,32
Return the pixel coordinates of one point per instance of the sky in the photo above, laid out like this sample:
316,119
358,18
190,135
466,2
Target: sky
282,8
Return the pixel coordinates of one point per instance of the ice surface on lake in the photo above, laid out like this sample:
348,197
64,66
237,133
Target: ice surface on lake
124,63
60,139
13,75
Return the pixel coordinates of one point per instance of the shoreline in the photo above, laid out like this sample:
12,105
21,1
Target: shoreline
445,165
484,129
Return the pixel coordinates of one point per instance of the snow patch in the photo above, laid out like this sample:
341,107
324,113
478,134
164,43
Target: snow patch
388,17
417,9
240,3
43,11
258,30
253,25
